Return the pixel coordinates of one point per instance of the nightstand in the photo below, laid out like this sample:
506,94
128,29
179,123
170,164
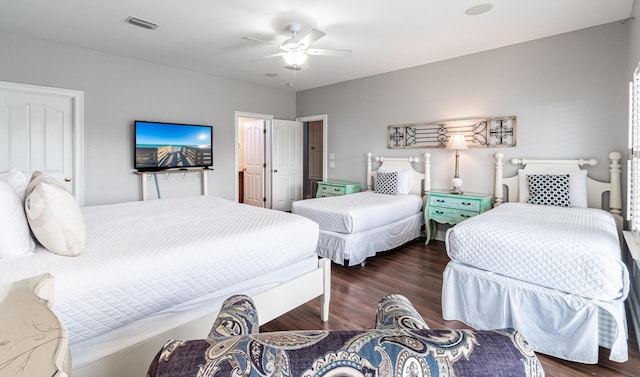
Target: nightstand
336,189
446,208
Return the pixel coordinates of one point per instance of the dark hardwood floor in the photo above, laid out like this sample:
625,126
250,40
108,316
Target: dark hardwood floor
415,271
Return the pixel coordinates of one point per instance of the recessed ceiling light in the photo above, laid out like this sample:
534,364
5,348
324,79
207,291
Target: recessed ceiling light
271,74
478,9
290,85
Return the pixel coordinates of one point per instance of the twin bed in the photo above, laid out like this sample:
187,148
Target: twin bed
356,226
554,273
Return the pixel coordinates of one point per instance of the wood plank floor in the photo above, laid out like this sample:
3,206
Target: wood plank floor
415,270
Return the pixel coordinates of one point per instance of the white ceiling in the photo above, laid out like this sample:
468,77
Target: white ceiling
385,35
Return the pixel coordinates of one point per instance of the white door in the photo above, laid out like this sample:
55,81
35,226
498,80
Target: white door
286,163
37,131
254,162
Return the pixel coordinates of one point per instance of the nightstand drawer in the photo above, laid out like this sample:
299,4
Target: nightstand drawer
331,190
453,202
336,189
449,215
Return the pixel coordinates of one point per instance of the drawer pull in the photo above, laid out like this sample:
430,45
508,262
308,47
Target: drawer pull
440,212
465,216
336,189
466,203
439,200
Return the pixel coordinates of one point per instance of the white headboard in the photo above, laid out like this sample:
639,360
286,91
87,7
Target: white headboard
395,163
595,189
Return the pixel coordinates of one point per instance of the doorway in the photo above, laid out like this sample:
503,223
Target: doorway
274,160
315,153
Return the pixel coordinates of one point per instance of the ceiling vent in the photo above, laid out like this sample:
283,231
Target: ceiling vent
141,23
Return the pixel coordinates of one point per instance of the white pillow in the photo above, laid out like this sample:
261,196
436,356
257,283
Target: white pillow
16,239
54,216
405,179
577,185
17,180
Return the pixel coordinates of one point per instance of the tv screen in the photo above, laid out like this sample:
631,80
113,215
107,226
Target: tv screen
172,146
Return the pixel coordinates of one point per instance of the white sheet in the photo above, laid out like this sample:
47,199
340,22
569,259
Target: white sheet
357,247
555,323
145,257
354,213
573,250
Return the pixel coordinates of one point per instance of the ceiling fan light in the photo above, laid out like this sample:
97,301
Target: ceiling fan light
295,58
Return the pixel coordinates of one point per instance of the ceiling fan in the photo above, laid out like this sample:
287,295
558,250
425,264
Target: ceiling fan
296,50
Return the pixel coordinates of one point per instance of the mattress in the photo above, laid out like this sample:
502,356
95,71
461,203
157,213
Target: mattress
574,250
142,258
354,213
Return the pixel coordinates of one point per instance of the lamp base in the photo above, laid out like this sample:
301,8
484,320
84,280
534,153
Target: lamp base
456,182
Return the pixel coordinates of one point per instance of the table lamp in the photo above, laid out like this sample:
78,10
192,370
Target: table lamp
457,142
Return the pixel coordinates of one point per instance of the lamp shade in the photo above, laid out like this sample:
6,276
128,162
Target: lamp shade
457,142
295,57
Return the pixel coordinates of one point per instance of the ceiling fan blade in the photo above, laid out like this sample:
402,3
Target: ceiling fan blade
268,57
260,41
311,37
328,52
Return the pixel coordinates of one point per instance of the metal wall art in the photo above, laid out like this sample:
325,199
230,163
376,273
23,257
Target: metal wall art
483,132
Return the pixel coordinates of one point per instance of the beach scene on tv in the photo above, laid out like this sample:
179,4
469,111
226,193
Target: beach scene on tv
165,146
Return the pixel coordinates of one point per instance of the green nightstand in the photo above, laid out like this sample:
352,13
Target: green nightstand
336,189
446,208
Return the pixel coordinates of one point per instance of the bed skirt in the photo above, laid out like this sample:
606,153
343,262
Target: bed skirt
565,326
359,246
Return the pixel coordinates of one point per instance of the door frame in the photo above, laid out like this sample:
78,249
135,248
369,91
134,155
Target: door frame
267,150
77,137
325,133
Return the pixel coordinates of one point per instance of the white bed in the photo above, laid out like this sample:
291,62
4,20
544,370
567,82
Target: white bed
157,270
356,226
554,273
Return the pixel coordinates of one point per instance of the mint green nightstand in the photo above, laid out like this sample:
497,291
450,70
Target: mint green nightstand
446,208
336,189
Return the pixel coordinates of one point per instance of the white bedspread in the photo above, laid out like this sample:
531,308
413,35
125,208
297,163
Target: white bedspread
574,250
357,212
144,257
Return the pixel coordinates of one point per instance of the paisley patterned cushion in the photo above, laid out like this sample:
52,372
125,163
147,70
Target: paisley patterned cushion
395,348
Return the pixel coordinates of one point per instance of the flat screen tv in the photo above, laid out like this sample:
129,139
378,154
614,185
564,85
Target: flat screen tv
160,146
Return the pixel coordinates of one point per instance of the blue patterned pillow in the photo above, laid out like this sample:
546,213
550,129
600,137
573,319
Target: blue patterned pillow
549,189
387,183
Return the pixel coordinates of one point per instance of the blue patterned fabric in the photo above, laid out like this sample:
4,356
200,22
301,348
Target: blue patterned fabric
402,345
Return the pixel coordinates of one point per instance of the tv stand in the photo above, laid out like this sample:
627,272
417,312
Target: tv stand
145,175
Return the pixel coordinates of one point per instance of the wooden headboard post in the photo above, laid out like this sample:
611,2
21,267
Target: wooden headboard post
427,173
369,176
615,191
498,188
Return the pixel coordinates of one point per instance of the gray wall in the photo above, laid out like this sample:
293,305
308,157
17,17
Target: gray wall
569,93
119,90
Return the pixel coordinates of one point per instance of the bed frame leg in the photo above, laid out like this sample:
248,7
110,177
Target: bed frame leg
325,264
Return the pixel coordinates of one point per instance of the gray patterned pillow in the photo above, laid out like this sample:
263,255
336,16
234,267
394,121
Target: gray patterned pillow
387,183
549,189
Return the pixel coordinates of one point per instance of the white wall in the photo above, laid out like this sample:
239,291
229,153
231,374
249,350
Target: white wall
569,93
120,90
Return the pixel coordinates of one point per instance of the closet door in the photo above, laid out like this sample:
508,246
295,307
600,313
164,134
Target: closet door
40,130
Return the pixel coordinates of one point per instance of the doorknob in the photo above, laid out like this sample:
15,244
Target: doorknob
67,179
275,170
